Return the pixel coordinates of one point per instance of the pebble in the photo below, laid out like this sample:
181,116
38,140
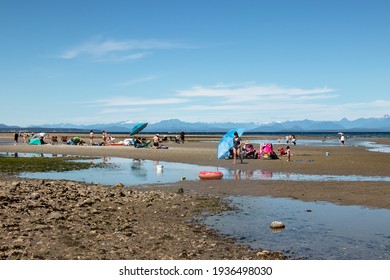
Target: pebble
35,195
277,225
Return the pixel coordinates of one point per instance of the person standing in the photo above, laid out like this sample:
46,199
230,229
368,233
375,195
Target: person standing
294,140
182,136
288,153
91,137
342,139
104,136
237,144
16,137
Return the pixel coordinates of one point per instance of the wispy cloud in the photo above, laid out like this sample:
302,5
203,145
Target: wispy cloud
245,102
120,101
136,81
253,92
118,58
110,50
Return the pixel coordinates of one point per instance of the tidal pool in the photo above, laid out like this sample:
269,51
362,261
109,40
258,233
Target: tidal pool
137,172
314,230
127,171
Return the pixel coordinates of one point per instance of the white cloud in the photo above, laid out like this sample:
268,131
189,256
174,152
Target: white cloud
135,101
246,93
384,104
118,58
117,51
245,102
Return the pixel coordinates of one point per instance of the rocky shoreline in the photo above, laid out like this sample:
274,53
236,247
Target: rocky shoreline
66,220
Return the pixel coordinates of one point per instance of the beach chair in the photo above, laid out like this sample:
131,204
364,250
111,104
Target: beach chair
141,143
249,151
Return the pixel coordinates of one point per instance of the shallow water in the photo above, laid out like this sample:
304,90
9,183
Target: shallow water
314,230
136,172
128,172
260,174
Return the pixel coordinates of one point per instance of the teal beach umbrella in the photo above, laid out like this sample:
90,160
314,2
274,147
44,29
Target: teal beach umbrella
138,128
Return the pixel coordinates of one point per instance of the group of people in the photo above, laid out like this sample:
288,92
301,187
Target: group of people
291,139
238,146
106,138
157,140
25,135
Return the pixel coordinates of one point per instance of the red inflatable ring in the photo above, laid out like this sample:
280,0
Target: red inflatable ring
210,175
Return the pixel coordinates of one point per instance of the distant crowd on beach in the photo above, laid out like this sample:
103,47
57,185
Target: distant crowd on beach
106,139
26,136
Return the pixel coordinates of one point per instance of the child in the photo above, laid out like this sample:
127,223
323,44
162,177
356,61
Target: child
288,152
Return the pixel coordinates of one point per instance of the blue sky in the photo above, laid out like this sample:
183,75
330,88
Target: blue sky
88,62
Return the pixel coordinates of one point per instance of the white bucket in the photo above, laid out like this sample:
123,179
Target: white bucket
160,168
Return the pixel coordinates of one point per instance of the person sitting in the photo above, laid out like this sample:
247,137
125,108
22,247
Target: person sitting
141,143
249,150
110,139
282,151
156,141
42,142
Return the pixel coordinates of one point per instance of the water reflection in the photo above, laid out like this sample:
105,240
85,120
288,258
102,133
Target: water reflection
260,174
128,172
138,171
314,230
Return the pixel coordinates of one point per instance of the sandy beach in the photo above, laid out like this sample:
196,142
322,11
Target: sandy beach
341,160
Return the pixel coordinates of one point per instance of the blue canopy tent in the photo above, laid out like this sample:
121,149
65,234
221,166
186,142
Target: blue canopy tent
138,128
226,142
36,139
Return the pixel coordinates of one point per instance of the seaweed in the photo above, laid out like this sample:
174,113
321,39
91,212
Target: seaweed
15,165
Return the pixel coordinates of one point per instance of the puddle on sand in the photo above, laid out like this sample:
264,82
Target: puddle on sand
260,174
127,171
314,230
135,172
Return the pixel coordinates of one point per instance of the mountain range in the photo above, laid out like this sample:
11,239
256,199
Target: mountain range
175,125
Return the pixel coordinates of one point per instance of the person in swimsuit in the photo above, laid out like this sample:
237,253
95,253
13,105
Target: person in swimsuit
237,143
91,137
156,141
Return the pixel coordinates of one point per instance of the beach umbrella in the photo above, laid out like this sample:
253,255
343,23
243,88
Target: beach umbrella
137,128
38,135
226,142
